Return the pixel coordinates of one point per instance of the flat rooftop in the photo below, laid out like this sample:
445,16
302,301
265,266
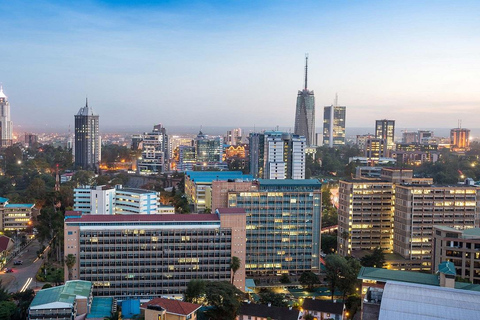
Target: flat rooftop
289,182
106,218
209,176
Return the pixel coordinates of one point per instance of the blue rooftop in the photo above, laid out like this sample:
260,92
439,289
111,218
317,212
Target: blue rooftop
20,205
3,200
101,308
209,176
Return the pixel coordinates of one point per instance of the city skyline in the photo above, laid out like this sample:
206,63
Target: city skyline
386,60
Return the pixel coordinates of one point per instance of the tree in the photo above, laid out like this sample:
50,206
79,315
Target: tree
348,277
376,259
70,261
195,291
329,243
284,278
224,297
341,273
234,266
275,299
308,316
7,309
309,279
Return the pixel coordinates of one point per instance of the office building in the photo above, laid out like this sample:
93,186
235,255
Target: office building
87,139
419,208
385,129
184,158
31,139
460,247
147,256
334,118
365,216
155,154
233,137
415,153
107,200
198,186
208,149
375,149
15,216
283,224
277,155
6,125
361,140
305,112
460,139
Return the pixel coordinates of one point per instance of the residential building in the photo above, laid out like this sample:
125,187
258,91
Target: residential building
418,208
409,137
283,225
249,311
460,139
385,129
198,186
375,149
6,124
334,119
6,246
361,140
87,139
365,215
64,302
146,256
15,216
277,155
115,200
323,309
155,154
169,309
305,112
461,247
415,153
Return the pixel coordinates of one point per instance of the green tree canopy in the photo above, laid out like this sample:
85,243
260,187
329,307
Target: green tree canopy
309,279
376,259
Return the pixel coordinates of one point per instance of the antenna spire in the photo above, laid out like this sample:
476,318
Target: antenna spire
86,102
306,69
336,99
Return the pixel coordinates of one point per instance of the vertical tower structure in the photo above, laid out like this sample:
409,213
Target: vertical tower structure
87,139
334,124
305,112
6,125
385,129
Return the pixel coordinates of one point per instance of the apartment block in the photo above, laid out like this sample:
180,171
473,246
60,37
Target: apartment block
283,224
461,247
15,216
147,256
365,215
419,208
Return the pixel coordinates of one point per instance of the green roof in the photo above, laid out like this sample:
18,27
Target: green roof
384,275
472,232
101,308
66,293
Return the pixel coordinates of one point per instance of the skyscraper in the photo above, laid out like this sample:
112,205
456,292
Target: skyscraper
385,129
6,126
87,139
155,153
305,112
334,125
459,139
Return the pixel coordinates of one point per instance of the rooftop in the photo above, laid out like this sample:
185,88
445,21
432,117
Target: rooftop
61,295
101,308
290,182
264,311
323,306
231,211
145,218
448,268
173,306
209,176
3,200
20,205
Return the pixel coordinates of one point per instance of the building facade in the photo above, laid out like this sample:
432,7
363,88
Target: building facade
305,112
15,216
115,200
155,154
419,208
6,125
147,256
365,216
460,139
283,225
87,139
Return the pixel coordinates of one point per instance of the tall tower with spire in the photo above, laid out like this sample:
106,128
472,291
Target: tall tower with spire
305,111
87,139
6,125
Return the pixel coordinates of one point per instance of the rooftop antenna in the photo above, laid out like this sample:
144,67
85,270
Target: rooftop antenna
86,101
459,123
336,99
306,69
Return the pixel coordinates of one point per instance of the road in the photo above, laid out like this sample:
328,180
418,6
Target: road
23,276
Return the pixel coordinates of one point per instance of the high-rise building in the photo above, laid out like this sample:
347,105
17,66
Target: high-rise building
87,139
6,125
460,139
233,137
283,223
155,155
208,149
305,112
147,256
334,125
277,155
385,129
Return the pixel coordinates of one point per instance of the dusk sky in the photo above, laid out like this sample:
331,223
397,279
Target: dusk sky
240,63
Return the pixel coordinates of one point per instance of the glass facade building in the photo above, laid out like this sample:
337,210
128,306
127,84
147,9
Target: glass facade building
334,125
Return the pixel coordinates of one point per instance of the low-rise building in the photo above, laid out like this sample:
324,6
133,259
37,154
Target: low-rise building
323,309
64,302
250,311
15,216
169,309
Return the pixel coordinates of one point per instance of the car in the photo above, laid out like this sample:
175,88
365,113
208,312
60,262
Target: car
8,270
18,262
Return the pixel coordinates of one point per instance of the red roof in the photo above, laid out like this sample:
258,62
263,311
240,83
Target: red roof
231,211
73,213
173,306
144,217
4,240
